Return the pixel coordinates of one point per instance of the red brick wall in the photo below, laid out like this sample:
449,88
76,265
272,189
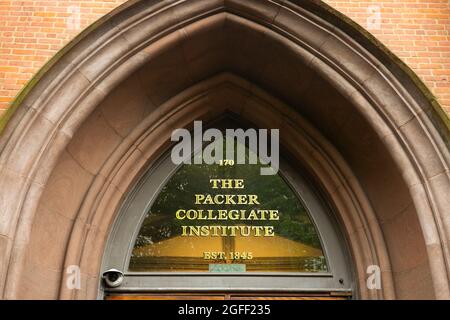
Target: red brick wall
417,31
32,31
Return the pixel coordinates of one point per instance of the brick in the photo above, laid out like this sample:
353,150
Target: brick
31,32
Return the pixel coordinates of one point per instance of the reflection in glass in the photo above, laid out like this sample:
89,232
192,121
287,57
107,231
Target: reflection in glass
160,245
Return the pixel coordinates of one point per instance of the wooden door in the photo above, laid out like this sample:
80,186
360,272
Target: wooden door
230,296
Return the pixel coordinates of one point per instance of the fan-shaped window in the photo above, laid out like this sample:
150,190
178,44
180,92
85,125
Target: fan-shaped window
195,225
226,227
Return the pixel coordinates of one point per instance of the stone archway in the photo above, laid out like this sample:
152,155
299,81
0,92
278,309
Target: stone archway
93,123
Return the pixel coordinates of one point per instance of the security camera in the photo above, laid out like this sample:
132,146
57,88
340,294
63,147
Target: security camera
113,278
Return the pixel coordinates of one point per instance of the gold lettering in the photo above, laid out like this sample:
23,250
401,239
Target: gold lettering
227,183
191,214
252,215
239,183
229,199
230,231
258,230
199,198
273,215
179,213
222,214
268,231
253,199
214,183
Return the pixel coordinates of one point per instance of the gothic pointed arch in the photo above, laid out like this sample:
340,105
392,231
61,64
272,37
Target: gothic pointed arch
92,124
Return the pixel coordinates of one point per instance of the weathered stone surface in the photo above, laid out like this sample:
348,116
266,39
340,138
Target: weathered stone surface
94,142
126,106
37,283
66,187
404,241
414,283
48,239
5,246
424,152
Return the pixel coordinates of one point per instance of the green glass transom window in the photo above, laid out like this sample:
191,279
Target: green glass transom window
227,218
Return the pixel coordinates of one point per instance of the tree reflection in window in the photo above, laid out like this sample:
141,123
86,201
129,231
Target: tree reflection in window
159,246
